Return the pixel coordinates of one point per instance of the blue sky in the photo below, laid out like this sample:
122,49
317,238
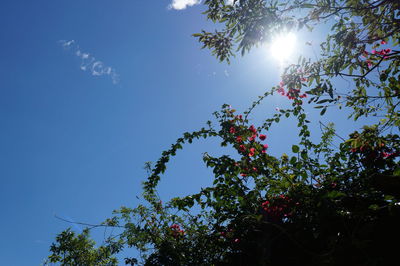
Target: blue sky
73,142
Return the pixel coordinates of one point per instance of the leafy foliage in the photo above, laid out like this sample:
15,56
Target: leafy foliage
319,204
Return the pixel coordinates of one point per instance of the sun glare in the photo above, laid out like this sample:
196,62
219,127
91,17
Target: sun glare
282,46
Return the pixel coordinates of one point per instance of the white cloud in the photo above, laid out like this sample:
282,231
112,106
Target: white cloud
229,2
226,73
88,62
182,4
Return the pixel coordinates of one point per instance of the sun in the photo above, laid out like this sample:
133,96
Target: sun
283,46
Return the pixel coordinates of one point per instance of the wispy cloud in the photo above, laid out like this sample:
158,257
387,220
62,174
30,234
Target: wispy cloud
226,72
89,62
182,4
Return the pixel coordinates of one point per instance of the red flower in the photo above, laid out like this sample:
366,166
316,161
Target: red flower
253,137
242,174
251,153
253,129
242,148
383,42
239,139
232,130
262,136
264,149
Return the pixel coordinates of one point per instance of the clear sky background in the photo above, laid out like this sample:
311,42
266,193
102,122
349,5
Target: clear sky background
73,142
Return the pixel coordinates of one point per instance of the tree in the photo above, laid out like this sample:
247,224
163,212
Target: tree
319,205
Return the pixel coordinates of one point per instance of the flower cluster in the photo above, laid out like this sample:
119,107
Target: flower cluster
247,140
291,94
382,53
248,146
176,230
277,208
374,155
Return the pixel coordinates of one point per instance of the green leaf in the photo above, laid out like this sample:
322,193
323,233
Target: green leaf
295,148
397,172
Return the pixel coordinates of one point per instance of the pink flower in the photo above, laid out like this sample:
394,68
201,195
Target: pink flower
232,130
236,240
242,148
383,42
262,136
252,151
239,139
253,129
253,137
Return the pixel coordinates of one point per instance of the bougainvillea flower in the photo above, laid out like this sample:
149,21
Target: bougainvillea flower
242,148
232,130
264,149
239,139
252,151
262,136
253,129
253,137
383,42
